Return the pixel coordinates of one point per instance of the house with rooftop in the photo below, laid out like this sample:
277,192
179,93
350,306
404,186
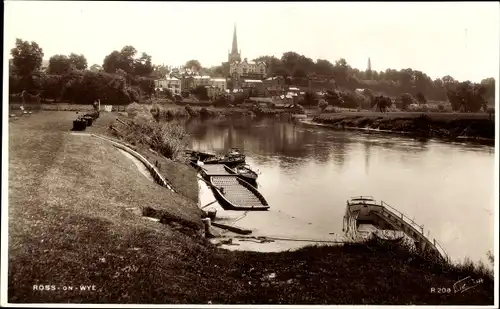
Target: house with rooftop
171,83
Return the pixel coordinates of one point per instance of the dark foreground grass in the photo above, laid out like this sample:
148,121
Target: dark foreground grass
72,223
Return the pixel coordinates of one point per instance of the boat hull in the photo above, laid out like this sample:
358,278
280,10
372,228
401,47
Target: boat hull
387,220
234,193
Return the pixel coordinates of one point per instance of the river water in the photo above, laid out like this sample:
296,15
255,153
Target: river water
309,172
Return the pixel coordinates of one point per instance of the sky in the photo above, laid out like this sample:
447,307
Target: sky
460,39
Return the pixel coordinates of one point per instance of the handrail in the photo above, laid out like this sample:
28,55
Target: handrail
403,216
442,250
409,221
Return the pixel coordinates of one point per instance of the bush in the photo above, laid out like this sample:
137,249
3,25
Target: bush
165,138
191,111
322,105
135,108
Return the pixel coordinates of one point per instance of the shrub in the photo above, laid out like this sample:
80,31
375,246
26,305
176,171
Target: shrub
165,138
191,111
135,108
322,105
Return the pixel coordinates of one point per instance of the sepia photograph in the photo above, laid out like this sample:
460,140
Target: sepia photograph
212,154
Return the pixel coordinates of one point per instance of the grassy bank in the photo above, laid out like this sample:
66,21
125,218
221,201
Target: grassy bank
440,125
73,221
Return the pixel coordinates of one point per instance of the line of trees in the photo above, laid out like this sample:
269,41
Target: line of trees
123,77
407,85
299,70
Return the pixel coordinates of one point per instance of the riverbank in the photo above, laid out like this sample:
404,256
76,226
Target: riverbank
453,126
73,221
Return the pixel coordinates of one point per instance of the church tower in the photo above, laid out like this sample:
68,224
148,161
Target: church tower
369,69
234,55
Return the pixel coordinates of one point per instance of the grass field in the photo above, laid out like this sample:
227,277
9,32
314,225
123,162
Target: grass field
73,221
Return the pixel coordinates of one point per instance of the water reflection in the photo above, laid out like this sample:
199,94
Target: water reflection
309,172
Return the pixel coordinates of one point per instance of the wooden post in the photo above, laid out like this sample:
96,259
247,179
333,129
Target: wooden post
207,224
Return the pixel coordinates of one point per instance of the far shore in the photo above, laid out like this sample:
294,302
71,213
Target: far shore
464,127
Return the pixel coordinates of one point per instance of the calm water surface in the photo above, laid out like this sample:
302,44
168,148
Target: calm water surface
309,172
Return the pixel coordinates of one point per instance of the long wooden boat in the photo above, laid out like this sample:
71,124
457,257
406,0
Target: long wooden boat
247,174
200,155
233,193
232,159
244,172
365,217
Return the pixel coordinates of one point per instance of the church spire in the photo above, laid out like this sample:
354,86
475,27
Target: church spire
234,49
369,69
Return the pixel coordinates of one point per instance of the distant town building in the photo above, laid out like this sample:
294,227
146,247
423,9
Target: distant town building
171,83
254,84
248,69
219,83
201,81
275,85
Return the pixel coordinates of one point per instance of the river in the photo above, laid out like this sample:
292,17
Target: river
309,172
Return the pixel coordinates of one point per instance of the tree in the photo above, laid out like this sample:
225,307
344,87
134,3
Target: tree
127,59
289,62
218,71
273,64
51,87
201,93
322,104
333,98
123,59
167,93
112,62
421,98
448,81
62,64
147,86
143,66
406,100
489,85
78,61
160,71
467,97
27,57
310,99
96,68
58,64
382,103
194,65
324,67
341,71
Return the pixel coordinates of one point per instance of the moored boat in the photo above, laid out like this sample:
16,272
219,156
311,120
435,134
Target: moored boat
233,193
247,174
365,217
244,172
232,159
